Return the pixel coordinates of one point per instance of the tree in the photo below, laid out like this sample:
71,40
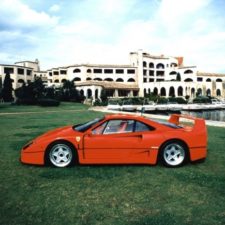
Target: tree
7,89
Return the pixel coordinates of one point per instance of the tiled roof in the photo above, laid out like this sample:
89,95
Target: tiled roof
108,84
210,74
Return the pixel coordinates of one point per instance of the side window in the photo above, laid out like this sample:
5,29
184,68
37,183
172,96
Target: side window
99,129
119,126
142,127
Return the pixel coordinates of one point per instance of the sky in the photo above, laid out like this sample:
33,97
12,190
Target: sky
66,32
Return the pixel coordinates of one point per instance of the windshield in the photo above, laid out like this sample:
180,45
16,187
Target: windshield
85,126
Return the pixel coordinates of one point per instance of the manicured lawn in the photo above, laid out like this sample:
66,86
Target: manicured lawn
193,194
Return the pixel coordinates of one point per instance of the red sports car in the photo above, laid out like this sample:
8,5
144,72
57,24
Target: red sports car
121,139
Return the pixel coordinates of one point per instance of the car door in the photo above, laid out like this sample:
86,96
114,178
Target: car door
115,141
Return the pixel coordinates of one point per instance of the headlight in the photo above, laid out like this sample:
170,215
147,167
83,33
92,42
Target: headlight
27,145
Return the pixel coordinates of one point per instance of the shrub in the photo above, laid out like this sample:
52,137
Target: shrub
179,100
202,99
26,101
48,102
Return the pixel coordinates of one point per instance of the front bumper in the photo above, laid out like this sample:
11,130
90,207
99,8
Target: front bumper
36,158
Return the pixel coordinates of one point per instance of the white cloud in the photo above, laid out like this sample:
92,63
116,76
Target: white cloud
54,8
13,13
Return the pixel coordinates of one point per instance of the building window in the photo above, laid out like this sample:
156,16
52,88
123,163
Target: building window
188,80
108,79
98,79
129,71
77,79
56,73
218,80
160,73
144,64
119,80
88,70
188,71
151,80
160,66
50,73
151,65
77,71
108,71
20,71
145,80
97,70
173,73
199,79
131,80
8,70
144,72
159,79
63,72
120,71
151,73
29,72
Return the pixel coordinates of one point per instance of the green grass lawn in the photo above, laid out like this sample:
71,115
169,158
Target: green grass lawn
136,195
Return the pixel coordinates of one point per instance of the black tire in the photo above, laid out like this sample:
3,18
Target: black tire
60,154
174,154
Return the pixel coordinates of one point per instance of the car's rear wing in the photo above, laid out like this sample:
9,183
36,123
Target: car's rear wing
187,121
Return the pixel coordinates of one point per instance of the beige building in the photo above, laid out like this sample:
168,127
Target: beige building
146,73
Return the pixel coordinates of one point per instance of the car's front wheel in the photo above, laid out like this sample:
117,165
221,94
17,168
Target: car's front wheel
173,154
60,154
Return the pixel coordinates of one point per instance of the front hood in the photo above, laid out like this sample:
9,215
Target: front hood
58,132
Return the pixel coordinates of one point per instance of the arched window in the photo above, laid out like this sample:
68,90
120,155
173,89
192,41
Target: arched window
173,65
173,73
199,92
208,92
56,81
89,93
192,92
188,80
76,70
163,91
119,80
108,79
131,80
77,79
21,81
149,90
180,91
151,65
144,64
88,70
188,71
82,92
98,79
96,93
218,80
218,92
208,80
88,78
145,93
155,91
172,92
160,66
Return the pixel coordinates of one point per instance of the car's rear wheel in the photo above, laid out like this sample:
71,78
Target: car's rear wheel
60,154
174,154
